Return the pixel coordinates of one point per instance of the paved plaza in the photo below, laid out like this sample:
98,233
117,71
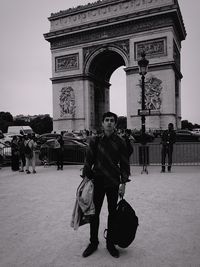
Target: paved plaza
35,214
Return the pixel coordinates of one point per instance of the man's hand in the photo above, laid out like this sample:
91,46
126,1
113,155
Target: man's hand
122,190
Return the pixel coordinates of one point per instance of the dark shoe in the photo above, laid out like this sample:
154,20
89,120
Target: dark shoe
163,169
58,168
113,251
169,168
34,171
89,250
28,172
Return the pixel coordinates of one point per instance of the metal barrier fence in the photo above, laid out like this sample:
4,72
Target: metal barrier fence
5,155
71,155
183,154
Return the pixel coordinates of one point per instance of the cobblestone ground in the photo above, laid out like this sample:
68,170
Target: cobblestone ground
35,214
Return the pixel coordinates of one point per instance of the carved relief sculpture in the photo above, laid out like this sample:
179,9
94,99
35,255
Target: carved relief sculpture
153,88
68,62
67,102
152,48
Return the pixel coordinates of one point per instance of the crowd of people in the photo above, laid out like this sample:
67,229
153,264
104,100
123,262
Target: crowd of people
23,153
23,149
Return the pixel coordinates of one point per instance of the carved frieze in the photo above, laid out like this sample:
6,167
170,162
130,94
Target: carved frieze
153,88
111,31
152,48
102,10
122,45
67,102
67,62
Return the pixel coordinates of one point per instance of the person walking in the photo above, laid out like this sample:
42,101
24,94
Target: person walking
107,164
167,140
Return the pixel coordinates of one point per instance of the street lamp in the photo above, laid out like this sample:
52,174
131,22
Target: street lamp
143,66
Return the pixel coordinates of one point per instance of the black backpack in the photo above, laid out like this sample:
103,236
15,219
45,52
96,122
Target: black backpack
125,225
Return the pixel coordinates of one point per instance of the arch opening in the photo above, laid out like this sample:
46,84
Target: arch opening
100,70
118,99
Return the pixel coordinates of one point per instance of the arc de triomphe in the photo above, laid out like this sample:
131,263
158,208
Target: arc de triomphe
89,42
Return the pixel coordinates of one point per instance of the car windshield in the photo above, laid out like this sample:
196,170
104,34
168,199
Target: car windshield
27,131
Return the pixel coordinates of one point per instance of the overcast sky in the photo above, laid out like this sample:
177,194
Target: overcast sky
25,58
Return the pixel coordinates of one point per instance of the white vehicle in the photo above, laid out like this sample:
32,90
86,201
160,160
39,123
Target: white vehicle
20,130
196,131
8,138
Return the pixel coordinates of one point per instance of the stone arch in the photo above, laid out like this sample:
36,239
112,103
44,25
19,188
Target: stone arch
101,50
90,41
99,67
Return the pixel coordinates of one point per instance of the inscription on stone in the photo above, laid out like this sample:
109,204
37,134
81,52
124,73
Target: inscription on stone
68,62
152,48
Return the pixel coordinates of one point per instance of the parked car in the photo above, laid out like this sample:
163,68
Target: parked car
196,131
8,138
74,135
74,151
66,136
138,137
45,137
187,136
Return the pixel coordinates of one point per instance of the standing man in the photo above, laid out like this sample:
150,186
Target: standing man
29,150
60,151
108,164
168,139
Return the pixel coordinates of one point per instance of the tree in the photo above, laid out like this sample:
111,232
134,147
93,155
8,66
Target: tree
6,116
185,124
42,124
6,119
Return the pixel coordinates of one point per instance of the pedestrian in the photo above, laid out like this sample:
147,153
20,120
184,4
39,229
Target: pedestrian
168,139
30,146
15,154
128,139
108,165
22,158
59,145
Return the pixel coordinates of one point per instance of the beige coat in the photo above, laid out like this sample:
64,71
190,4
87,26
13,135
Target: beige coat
84,206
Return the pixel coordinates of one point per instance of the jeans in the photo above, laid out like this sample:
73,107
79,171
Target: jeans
59,158
112,197
167,150
31,161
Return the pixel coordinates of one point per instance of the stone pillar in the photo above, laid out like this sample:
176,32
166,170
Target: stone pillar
162,82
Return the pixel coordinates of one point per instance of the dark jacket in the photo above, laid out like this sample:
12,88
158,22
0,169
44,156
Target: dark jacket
168,138
107,160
